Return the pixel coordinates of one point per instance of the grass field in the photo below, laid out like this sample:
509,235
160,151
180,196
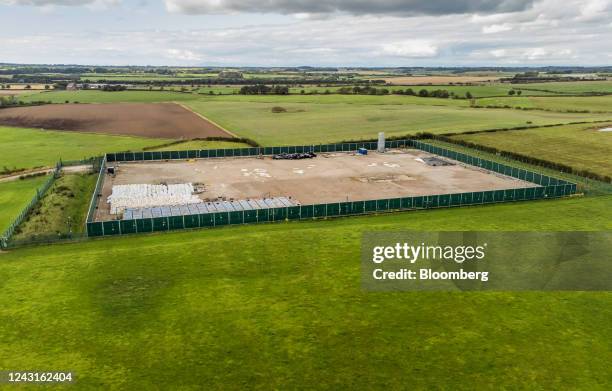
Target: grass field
581,87
280,306
14,196
107,97
28,148
580,146
590,103
63,209
200,144
306,123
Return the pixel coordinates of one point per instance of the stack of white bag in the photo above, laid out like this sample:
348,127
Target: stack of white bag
147,196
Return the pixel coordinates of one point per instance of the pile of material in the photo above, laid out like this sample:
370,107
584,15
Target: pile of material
294,156
144,196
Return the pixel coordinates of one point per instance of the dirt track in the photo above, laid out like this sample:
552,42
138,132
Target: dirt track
159,120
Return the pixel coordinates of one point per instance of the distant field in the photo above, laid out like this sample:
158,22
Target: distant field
157,120
27,148
580,87
406,80
280,306
591,103
580,146
314,123
108,97
14,196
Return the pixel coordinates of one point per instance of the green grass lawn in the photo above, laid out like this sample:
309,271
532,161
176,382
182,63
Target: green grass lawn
62,209
280,306
27,148
14,196
311,123
590,103
580,146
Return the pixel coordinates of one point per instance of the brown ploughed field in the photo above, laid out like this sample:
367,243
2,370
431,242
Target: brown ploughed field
158,120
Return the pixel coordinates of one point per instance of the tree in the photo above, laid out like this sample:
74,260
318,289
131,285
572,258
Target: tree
47,87
423,93
468,95
511,92
519,92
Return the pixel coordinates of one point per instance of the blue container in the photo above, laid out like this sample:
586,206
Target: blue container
362,151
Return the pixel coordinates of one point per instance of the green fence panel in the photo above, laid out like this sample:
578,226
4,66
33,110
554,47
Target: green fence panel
477,197
205,153
166,155
370,206
291,149
538,192
520,194
320,210
147,156
344,208
207,220
221,218
279,214
220,152
111,157
94,229
395,203
529,193
160,224
111,228
444,200
407,203
433,201
250,216
498,195
268,150
417,202
156,155
191,221
306,211
138,155
509,195
333,209
228,152
454,199
236,217
144,225
357,207
382,204
182,154
488,197
128,226
191,154
263,215
176,222
293,212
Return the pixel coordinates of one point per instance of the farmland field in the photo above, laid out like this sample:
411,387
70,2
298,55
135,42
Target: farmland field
406,80
604,86
158,120
306,123
593,104
92,96
14,196
280,306
581,146
28,148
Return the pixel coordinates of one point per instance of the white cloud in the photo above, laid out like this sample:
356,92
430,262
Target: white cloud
411,48
496,28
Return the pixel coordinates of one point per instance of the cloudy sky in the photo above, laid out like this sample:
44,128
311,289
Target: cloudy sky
307,32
